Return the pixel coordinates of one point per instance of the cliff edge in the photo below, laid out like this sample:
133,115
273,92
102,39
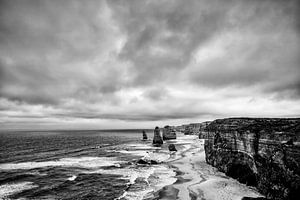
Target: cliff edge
261,152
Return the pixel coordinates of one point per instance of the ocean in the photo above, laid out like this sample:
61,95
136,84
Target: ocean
74,165
104,165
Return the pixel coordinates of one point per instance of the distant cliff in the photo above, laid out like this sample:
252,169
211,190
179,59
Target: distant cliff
262,152
193,128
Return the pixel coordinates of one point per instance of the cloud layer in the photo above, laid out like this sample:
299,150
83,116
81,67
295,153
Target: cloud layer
110,64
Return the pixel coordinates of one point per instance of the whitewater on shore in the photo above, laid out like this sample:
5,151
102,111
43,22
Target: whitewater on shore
189,177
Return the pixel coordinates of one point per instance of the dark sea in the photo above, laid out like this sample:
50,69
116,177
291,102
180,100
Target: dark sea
78,165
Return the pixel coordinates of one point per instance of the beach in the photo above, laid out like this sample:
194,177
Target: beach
198,180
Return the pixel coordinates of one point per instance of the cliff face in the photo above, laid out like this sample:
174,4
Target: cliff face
260,152
193,128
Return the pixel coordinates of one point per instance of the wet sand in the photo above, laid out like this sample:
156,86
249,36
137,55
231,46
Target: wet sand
198,180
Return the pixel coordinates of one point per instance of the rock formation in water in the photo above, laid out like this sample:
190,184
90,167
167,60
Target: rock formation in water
147,162
262,152
145,137
157,140
169,133
172,147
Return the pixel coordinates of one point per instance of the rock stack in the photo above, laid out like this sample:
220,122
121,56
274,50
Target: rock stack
172,147
169,133
145,137
157,140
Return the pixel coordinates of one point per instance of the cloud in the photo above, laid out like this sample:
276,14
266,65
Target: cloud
51,50
255,61
162,34
135,61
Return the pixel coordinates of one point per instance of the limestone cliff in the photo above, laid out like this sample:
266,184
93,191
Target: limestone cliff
193,128
262,152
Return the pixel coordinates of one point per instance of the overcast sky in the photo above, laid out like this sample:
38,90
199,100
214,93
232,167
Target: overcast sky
138,64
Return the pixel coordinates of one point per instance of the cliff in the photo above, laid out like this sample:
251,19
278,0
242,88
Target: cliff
262,152
193,128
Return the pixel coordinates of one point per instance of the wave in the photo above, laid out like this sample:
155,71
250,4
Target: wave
72,178
81,162
138,146
154,177
7,190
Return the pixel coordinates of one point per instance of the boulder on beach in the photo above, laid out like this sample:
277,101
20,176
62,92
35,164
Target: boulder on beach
145,137
169,133
146,162
172,147
157,140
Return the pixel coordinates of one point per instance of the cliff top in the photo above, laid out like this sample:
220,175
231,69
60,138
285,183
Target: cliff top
255,125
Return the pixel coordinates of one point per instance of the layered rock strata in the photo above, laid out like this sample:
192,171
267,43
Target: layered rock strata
262,152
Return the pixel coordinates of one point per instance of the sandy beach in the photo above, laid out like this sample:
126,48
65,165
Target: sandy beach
198,180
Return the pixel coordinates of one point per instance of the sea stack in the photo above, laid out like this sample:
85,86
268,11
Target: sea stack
145,137
172,147
157,140
169,133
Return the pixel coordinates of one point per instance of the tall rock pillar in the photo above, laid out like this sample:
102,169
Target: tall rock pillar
157,140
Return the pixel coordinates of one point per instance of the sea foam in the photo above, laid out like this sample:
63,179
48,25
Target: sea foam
156,177
83,162
9,189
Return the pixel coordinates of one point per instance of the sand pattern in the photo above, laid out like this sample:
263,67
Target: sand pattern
198,180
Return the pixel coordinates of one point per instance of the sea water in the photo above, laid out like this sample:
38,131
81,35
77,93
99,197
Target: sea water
80,165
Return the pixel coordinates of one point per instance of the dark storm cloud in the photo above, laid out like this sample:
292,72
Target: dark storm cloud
136,60
45,46
162,36
265,54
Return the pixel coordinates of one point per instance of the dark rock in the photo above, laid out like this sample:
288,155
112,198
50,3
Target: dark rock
147,162
153,162
145,137
172,147
142,162
290,142
169,133
157,140
188,130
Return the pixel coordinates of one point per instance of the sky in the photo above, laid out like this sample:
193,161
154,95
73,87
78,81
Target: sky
143,63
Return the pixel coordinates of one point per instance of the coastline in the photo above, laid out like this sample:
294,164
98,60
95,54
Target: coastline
198,180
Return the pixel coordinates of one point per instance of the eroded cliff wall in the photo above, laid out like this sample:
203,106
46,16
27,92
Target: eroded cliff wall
261,152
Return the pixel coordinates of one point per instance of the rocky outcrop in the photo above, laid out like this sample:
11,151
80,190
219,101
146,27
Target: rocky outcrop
262,152
169,133
172,147
157,140
188,130
145,137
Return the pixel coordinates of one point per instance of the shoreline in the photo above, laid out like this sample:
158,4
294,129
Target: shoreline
198,180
